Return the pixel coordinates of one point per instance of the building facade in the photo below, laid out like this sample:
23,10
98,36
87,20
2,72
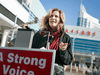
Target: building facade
36,10
14,13
85,45
86,20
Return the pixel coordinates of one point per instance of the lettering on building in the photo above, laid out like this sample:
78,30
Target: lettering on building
89,33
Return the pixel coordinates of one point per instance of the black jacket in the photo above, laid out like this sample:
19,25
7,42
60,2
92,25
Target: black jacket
62,57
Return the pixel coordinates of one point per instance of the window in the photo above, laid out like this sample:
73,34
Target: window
87,46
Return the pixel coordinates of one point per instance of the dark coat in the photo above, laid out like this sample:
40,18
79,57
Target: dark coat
62,57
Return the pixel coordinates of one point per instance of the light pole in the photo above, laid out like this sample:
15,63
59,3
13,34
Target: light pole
73,55
12,36
92,58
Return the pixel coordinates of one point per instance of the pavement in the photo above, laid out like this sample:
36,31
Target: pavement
68,73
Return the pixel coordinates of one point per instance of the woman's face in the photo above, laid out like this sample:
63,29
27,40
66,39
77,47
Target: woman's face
54,19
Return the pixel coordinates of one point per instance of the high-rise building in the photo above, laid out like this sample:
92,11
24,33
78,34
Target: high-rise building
86,20
85,40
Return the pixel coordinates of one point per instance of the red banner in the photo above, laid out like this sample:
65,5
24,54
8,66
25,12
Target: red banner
26,62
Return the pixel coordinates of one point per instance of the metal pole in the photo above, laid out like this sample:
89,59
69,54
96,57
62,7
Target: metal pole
14,28
48,43
73,56
92,58
4,38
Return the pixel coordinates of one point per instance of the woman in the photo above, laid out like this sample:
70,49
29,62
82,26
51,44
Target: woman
61,42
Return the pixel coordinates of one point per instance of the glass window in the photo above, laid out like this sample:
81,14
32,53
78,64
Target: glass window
88,59
87,46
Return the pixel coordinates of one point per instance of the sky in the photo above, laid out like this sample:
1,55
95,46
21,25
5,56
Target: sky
71,8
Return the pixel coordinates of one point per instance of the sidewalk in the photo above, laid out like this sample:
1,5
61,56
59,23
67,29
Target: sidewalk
67,73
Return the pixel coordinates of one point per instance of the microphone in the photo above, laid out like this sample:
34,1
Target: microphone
32,22
29,22
35,21
48,35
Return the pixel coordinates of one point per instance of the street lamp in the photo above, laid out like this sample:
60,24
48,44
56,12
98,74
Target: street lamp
73,55
14,28
92,58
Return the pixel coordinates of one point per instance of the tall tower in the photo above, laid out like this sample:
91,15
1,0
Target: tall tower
86,20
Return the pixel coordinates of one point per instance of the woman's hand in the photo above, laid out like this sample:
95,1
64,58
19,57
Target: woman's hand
24,26
63,46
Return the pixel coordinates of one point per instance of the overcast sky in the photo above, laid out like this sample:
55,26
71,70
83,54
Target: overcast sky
71,8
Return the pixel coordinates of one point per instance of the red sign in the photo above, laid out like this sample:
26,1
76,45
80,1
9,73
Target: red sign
26,62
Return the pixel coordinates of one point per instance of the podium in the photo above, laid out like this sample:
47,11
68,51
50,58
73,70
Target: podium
24,38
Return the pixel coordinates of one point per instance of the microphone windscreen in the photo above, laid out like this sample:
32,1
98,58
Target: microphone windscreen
27,27
36,20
